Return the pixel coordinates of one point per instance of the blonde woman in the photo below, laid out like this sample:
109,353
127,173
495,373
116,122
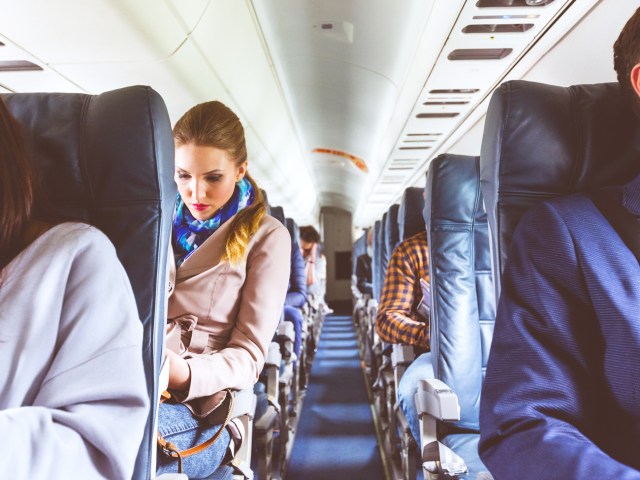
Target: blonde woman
228,280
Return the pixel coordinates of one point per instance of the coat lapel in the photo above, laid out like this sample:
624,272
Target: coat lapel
207,256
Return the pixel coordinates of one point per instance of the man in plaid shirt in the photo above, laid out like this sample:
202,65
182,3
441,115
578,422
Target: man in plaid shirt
399,320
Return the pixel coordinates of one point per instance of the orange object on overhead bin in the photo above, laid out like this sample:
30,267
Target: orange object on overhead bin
357,161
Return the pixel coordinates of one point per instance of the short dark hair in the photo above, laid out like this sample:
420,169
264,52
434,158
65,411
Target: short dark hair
626,55
16,187
309,234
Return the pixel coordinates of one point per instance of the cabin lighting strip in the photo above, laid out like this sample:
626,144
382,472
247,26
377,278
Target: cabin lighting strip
504,17
512,3
18,66
479,53
448,102
454,90
438,115
498,28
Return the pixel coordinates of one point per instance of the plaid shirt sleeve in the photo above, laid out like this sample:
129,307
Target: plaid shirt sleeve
397,321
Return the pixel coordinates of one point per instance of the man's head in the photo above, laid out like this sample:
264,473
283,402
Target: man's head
309,237
626,60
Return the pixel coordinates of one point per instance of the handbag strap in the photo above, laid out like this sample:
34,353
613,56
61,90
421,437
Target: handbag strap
172,450
609,202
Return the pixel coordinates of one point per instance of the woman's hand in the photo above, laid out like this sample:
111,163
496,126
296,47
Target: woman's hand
179,372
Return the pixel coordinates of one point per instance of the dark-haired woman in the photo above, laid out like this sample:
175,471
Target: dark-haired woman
73,401
228,280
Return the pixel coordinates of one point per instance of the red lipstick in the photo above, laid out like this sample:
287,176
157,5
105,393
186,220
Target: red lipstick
199,206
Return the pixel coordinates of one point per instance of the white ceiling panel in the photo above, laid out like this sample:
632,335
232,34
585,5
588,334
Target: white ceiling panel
342,66
73,31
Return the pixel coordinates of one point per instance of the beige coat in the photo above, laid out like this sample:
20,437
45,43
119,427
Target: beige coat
229,313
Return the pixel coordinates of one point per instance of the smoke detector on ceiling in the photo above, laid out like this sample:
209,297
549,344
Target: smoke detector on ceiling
336,29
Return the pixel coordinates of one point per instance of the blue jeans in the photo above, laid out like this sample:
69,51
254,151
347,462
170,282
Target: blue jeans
420,368
294,315
177,425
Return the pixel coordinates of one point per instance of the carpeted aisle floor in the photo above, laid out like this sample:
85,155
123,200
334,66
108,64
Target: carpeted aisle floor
336,438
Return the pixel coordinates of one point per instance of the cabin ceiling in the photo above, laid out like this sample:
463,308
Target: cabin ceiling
370,81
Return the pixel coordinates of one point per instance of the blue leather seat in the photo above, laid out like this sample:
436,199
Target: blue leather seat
359,248
383,255
292,226
541,141
410,220
375,260
462,300
278,213
391,230
107,160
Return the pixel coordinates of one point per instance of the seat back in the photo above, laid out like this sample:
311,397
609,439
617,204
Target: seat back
375,261
462,300
359,248
541,141
266,201
278,214
292,226
391,231
410,219
107,160
384,254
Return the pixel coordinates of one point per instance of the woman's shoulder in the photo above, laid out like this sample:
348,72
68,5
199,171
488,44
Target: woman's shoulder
271,226
76,234
272,232
69,240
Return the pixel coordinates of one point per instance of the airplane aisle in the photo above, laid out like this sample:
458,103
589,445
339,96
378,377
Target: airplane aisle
336,437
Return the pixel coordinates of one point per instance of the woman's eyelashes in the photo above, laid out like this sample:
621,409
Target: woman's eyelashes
208,178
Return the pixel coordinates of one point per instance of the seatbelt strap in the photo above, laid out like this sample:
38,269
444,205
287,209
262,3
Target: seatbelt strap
627,225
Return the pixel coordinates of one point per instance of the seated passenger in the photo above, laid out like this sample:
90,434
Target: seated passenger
400,320
228,281
363,268
296,296
73,396
315,266
560,399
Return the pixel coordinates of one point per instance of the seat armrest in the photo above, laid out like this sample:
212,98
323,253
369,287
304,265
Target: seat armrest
484,476
244,403
274,357
436,399
286,329
402,355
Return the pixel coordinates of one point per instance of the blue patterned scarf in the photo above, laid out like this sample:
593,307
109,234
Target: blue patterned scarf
189,233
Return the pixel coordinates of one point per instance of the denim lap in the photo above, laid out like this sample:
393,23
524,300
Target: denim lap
177,425
419,369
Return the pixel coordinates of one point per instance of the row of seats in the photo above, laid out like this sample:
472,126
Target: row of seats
285,374
539,142
108,160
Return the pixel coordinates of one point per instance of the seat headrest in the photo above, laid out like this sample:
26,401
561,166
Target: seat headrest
541,141
359,248
278,214
391,231
83,146
376,259
292,226
266,201
108,160
410,220
453,192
